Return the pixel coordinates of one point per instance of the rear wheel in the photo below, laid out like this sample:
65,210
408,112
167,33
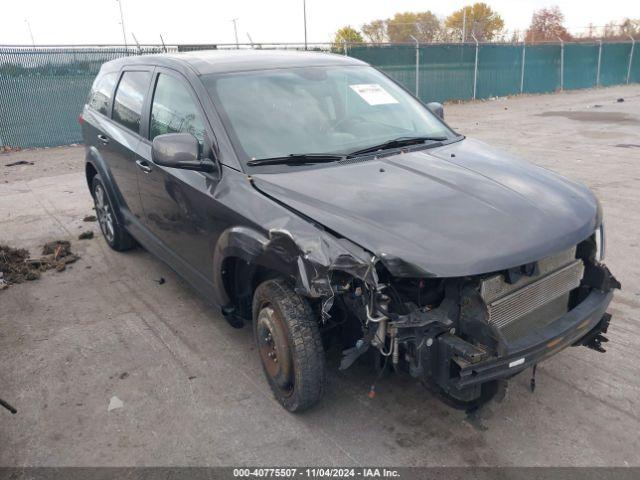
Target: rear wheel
289,344
114,233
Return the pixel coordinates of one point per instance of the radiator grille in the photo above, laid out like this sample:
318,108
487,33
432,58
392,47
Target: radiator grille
530,297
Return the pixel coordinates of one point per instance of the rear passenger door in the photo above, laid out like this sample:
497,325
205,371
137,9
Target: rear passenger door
122,135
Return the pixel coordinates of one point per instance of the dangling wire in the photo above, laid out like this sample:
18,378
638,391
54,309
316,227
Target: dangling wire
372,388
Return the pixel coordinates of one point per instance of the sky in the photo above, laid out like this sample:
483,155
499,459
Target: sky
210,21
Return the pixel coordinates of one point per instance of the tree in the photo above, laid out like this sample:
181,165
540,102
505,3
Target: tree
346,34
428,27
590,32
480,20
628,27
546,25
376,31
424,26
611,30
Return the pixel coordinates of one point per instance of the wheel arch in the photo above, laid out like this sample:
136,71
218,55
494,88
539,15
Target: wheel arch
94,165
242,259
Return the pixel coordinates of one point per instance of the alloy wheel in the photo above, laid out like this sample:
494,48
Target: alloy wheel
104,213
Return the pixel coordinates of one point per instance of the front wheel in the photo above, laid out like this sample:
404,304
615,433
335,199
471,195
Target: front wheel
289,344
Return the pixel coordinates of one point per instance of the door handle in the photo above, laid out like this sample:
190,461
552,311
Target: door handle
143,165
103,139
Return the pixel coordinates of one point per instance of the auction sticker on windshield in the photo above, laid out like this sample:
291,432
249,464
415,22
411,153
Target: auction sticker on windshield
373,94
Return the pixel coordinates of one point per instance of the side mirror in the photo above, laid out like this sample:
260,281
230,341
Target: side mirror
180,150
436,108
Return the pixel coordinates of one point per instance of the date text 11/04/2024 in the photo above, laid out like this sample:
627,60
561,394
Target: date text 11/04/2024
316,472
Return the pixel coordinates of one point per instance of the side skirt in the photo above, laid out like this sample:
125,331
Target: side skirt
205,288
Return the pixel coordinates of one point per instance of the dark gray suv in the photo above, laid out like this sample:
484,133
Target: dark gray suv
312,196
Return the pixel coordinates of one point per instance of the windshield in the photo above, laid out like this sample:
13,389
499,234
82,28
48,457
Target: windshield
327,110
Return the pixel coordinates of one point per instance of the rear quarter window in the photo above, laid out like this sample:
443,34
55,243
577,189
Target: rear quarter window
102,92
127,105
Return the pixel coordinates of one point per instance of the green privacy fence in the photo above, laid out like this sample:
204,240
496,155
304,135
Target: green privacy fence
439,72
43,89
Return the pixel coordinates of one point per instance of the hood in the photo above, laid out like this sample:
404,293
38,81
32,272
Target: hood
461,209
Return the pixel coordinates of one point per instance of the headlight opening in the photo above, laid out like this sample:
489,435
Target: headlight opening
600,244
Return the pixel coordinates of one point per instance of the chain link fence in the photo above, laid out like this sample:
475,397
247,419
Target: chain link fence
466,71
43,89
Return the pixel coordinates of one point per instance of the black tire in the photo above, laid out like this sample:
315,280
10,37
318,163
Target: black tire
289,345
488,390
112,230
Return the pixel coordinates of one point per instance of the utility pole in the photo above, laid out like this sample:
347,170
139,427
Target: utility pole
33,42
464,24
304,13
124,35
235,31
137,42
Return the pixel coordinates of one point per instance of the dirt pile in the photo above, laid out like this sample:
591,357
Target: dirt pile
17,266
7,149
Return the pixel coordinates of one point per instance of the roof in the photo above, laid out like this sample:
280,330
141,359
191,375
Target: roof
223,61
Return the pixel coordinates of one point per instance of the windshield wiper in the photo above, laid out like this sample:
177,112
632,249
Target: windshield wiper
396,143
297,159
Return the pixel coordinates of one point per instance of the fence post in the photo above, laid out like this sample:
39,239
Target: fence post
417,65
633,44
561,64
475,68
344,47
599,62
524,53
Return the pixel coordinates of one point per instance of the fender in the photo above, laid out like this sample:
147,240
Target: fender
95,159
253,247
278,250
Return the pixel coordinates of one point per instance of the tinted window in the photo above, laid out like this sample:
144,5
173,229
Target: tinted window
102,91
127,107
174,110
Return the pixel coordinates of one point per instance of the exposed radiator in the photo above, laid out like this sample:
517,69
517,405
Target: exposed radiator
507,303
496,287
533,296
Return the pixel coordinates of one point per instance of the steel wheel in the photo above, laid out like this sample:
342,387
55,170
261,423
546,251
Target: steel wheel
104,213
289,344
274,349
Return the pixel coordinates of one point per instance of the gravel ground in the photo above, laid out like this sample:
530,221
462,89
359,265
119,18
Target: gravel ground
188,389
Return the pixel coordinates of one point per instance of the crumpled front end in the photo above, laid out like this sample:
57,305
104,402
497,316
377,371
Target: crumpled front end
463,337
460,329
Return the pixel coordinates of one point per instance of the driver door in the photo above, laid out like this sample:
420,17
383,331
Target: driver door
177,204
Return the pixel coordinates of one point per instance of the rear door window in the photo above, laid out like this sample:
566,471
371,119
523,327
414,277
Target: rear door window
102,92
174,110
127,105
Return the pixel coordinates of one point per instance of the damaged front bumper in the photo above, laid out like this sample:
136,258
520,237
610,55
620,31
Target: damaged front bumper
460,351
459,368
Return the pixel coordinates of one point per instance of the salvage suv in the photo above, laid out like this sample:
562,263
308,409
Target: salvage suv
312,196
